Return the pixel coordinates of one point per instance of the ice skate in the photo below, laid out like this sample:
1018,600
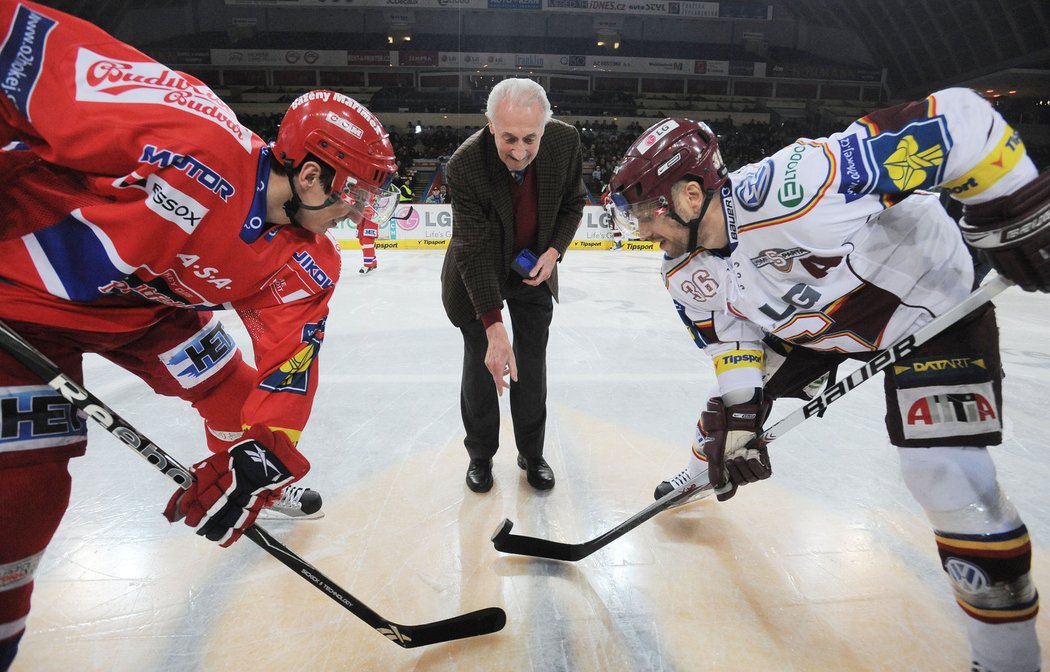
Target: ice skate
696,467
617,245
364,270
295,503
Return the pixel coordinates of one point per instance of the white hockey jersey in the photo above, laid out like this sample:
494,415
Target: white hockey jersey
835,245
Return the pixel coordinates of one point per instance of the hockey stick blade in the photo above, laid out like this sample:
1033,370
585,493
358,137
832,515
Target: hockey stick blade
515,544
482,622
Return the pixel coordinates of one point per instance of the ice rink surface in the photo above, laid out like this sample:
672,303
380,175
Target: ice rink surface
829,565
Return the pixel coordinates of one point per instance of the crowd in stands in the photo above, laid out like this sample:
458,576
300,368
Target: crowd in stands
604,142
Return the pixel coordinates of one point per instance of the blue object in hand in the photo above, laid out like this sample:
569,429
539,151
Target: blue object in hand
524,262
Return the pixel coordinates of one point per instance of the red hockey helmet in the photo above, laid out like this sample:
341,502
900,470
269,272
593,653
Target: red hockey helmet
669,151
349,139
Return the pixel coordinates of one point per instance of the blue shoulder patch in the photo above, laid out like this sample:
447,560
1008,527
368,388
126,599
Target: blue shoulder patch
753,186
911,158
22,56
854,176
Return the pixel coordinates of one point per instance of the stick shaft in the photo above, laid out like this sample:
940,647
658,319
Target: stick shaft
898,351
479,622
699,488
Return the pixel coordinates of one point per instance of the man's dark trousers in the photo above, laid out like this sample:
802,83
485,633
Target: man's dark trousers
531,309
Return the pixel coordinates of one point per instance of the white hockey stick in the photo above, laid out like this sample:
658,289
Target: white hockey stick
698,487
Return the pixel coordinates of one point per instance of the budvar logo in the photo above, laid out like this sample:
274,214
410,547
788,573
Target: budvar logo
101,79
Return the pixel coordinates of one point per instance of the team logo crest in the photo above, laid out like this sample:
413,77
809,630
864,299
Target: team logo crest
294,374
781,260
751,192
912,158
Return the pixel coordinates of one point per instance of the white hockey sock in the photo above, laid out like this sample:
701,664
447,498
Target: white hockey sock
979,535
1004,647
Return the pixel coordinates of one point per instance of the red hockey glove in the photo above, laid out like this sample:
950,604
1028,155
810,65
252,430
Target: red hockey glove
1013,233
231,487
730,446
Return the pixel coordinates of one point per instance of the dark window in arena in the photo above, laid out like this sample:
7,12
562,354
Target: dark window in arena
708,87
839,92
337,78
404,79
745,88
616,84
306,78
244,77
439,81
571,84
660,85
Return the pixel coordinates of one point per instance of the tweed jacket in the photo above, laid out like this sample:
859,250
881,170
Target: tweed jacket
478,258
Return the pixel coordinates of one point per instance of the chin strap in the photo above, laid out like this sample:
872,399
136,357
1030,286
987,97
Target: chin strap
295,204
694,224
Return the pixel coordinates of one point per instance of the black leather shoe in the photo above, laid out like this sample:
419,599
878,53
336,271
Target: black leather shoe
539,473
479,475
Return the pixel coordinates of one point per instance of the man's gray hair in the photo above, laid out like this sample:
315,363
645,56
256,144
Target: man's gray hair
520,92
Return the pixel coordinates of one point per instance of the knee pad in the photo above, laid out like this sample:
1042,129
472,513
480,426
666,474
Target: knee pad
983,545
957,488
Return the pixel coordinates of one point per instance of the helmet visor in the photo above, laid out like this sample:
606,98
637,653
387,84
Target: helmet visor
628,217
369,203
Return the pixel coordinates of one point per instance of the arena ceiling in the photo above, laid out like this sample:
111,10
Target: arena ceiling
999,45
1003,45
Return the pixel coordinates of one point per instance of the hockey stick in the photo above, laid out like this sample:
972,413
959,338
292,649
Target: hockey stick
481,622
698,487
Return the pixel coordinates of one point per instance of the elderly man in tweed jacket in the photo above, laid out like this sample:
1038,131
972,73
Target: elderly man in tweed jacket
513,193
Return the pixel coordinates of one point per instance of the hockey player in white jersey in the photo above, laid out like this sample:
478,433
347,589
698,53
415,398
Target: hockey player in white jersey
831,248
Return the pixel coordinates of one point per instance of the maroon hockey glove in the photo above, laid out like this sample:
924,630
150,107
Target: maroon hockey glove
730,446
231,487
1013,233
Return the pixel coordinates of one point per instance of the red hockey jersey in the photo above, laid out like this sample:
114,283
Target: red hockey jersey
135,191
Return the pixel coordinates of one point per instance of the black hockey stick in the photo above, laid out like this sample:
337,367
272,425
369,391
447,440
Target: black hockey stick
505,542
698,487
481,622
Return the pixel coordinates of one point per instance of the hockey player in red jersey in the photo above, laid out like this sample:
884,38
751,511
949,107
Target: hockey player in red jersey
135,205
830,249
367,232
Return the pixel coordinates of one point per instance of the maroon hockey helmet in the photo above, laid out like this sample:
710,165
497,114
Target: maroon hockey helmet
669,151
347,137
